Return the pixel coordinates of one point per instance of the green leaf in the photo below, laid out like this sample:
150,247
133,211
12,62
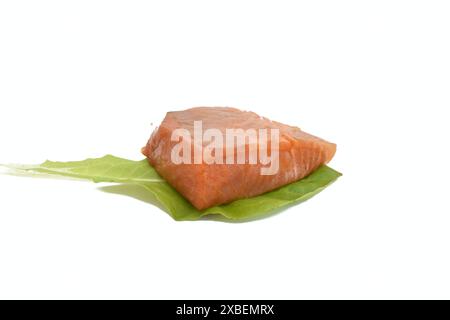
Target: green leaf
114,169
105,169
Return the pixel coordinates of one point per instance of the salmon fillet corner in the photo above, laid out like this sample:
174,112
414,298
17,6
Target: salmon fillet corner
206,185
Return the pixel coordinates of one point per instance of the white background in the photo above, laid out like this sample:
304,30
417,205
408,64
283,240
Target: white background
86,78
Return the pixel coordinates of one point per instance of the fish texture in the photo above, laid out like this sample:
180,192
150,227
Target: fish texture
205,184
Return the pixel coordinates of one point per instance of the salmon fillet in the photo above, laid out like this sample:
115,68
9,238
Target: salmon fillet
206,185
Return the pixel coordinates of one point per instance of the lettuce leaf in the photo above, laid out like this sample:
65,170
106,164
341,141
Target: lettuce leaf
113,169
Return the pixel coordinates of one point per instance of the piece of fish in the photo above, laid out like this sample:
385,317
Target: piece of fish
205,184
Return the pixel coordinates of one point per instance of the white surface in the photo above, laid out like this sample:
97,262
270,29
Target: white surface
86,78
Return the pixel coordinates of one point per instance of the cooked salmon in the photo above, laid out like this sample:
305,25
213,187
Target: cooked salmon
207,183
